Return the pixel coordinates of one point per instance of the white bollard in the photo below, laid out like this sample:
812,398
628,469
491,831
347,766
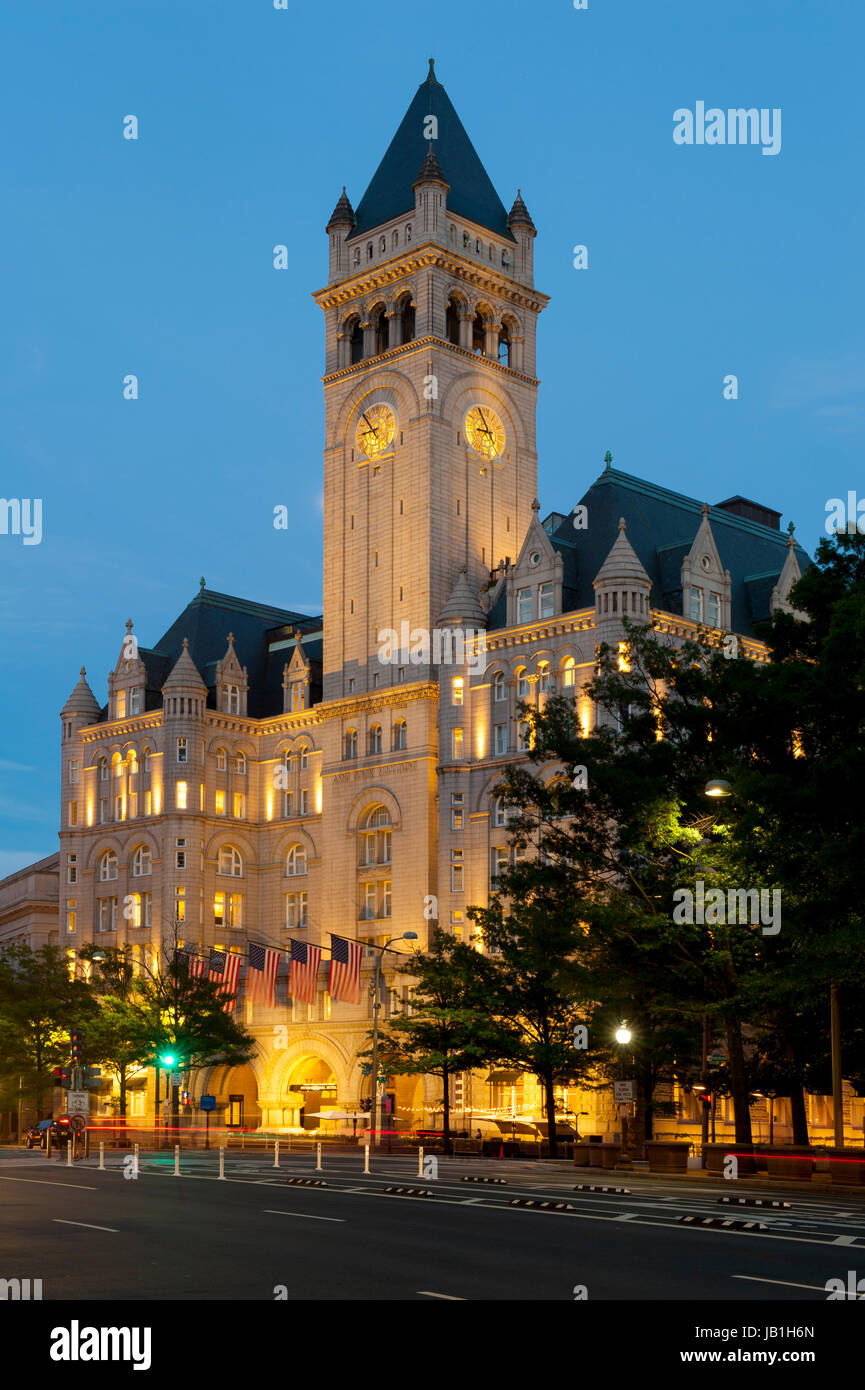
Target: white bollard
366,1157
70,1143
101,1154
177,1160
420,1163
222,1162
318,1167
135,1161
276,1153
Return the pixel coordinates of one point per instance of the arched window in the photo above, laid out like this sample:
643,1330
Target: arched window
545,680
395,238
103,769
382,330
505,346
382,245
452,322
220,760
500,812
369,251
522,684
356,342
230,862
141,863
400,734
375,836
241,765
108,866
569,673
408,232
375,739
304,757
351,743
356,257
145,760
479,334
499,687
407,316
295,862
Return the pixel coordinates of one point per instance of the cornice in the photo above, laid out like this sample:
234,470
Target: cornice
387,273
372,701
382,359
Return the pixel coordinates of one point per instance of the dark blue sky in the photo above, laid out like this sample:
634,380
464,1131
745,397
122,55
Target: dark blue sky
155,258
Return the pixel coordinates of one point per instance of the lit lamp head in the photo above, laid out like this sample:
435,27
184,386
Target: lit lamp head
718,787
623,1034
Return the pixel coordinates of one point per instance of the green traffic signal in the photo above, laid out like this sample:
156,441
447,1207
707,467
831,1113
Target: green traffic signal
168,1060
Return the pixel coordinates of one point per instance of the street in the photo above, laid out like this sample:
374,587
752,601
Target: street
91,1234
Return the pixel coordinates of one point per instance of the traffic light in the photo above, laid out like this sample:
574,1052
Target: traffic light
366,1105
168,1060
707,1098
75,1038
62,1076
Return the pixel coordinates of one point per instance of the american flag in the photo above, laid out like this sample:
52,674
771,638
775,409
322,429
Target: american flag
305,961
261,979
225,968
194,964
345,959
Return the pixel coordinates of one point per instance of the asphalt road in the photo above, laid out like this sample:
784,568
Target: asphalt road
91,1234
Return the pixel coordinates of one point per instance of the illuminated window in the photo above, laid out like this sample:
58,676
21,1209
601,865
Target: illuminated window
239,806
141,861
230,862
569,672
219,803
295,862
457,870
148,803
180,796
457,690
457,743
108,866
219,909
180,904
73,812
132,910
120,705
624,657
457,800
71,914
235,910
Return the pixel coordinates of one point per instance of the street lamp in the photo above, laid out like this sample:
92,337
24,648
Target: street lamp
718,787
376,1003
623,1037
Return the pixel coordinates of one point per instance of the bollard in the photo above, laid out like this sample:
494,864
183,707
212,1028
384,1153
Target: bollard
318,1168
420,1162
222,1163
101,1154
276,1153
135,1160
177,1160
70,1144
366,1157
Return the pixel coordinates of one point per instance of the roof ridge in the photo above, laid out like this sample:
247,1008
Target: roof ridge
665,494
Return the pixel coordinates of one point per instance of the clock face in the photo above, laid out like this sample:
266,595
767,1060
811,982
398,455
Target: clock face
485,432
375,430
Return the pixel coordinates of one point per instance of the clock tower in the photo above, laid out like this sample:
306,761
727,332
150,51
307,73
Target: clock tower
430,463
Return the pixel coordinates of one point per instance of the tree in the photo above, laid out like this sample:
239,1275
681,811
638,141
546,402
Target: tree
39,1005
441,1031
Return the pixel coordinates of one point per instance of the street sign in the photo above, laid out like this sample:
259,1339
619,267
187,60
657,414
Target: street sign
207,1102
78,1103
79,1124
176,1078
623,1091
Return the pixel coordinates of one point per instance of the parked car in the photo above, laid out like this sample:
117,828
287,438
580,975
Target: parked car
33,1137
60,1128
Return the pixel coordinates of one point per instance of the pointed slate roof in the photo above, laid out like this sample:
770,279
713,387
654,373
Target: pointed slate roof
621,564
343,213
82,700
519,214
184,672
471,195
464,605
431,170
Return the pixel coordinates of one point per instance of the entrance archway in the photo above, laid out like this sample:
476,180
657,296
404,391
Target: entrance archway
311,1090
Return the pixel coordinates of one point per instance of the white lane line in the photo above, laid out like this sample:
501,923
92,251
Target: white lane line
755,1279
451,1297
43,1182
304,1216
59,1221
844,1240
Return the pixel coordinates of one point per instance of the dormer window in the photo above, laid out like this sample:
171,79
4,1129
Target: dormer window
232,699
696,605
524,605
714,610
135,700
120,705
545,601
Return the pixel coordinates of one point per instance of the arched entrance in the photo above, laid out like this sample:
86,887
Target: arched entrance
311,1091
236,1092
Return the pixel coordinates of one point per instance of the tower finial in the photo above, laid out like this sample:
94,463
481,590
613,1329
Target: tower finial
128,624
608,459
431,75
622,524
201,581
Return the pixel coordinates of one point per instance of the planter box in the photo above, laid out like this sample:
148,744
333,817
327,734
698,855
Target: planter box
793,1163
604,1155
717,1153
581,1155
848,1167
667,1156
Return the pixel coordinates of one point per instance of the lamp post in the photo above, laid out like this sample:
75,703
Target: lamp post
623,1037
376,1004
